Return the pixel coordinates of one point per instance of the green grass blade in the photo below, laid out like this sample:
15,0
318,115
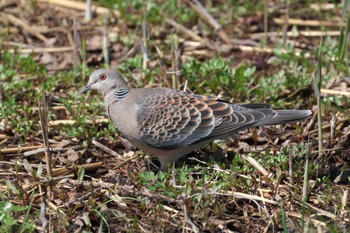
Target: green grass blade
284,218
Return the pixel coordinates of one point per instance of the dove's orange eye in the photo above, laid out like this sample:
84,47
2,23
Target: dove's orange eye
102,77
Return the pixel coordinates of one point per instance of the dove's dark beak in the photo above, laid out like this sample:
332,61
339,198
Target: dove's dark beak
86,88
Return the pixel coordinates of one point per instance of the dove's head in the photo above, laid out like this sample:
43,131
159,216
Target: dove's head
104,81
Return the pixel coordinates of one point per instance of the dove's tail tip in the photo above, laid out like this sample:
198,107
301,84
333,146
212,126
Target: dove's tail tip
286,116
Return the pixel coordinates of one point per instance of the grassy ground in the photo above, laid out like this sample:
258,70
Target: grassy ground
272,179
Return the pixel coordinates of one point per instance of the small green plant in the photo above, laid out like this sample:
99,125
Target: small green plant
8,222
216,74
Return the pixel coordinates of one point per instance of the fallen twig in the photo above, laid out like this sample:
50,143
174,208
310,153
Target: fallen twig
197,6
257,165
143,191
125,161
39,151
183,29
334,92
4,136
87,167
18,22
247,196
18,149
7,3
246,48
294,34
51,108
106,149
72,122
40,50
320,211
81,6
310,23
300,216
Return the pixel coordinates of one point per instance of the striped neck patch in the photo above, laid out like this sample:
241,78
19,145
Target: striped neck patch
121,93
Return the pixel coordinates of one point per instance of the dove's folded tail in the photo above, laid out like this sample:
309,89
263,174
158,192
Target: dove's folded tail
285,116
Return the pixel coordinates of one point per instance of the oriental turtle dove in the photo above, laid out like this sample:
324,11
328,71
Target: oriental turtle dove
169,123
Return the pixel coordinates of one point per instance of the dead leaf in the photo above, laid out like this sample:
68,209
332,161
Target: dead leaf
72,155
